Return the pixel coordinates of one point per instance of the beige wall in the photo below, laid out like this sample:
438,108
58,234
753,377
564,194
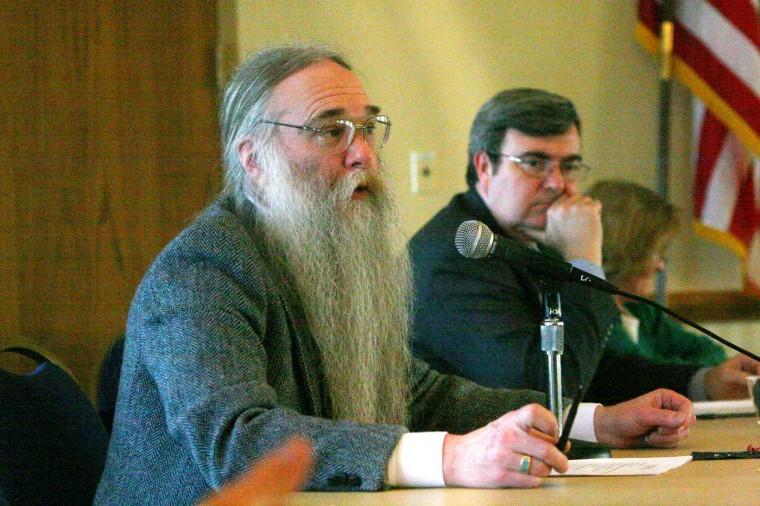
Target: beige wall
431,64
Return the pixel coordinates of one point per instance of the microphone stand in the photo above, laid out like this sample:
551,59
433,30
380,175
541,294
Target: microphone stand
553,344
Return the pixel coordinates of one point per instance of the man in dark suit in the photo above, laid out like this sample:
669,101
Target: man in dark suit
283,310
480,319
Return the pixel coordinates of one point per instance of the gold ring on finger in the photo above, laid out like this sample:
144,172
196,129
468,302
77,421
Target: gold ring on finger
525,464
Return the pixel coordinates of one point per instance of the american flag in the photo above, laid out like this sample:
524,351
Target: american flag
716,53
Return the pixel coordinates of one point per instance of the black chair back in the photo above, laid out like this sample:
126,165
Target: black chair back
52,443
108,383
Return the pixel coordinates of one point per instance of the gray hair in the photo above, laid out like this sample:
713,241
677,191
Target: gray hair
533,112
246,100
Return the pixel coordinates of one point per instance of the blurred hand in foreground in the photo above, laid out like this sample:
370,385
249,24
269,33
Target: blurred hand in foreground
269,480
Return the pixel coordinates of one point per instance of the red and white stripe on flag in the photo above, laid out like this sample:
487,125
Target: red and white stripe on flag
716,53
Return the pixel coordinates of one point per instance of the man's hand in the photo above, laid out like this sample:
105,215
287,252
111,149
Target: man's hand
727,380
574,228
659,418
491,455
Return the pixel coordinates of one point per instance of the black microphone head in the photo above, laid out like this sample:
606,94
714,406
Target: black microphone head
474,239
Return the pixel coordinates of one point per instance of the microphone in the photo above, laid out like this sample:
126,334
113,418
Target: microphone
475,240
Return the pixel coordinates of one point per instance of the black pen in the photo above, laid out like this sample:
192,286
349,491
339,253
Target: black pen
570,419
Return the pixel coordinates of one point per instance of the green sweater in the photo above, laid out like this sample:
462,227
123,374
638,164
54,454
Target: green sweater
662,339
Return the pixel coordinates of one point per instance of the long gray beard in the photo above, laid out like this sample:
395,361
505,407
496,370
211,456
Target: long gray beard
353,276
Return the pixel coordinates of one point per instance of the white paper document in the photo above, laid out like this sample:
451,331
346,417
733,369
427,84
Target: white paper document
623,467
737,407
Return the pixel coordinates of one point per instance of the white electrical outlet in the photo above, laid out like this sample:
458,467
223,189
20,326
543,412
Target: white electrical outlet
421,172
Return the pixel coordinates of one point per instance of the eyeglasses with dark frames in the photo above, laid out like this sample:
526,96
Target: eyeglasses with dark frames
337,135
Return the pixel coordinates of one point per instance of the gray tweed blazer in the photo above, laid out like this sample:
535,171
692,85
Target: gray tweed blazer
219,368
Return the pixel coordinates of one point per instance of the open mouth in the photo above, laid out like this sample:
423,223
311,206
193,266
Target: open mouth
360,192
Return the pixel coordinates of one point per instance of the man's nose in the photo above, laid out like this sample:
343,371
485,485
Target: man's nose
555,178
360,154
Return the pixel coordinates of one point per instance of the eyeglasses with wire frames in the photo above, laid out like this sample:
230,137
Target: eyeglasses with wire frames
337,135
540,167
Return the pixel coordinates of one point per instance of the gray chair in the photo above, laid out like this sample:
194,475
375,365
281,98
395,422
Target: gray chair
52,442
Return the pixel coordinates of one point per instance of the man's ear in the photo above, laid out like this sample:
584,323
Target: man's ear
483,168
247,156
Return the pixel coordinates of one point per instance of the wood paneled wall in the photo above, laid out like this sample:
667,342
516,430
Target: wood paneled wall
108,147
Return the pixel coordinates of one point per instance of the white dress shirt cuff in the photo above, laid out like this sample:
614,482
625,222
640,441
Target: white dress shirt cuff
583,427
588,266
697,386
417,461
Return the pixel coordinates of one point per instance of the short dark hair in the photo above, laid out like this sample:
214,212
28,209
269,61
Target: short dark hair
533,112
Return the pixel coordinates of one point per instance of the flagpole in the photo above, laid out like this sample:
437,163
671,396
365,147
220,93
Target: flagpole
663,146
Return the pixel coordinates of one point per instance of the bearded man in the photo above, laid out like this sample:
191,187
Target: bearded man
283,310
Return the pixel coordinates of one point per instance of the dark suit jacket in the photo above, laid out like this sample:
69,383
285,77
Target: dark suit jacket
220,367
481,319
